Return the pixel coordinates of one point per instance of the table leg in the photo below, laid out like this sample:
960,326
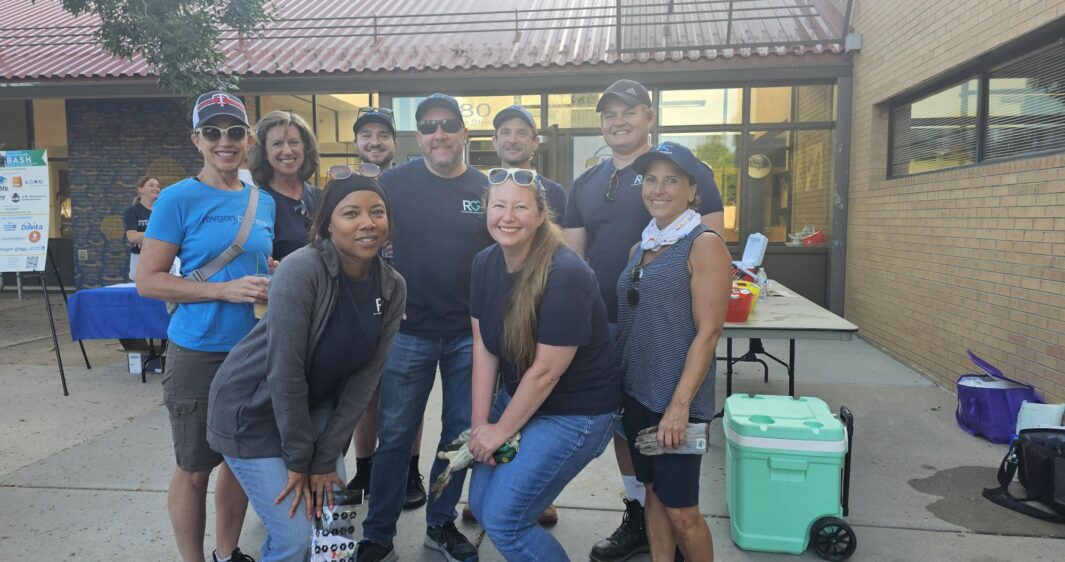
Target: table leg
791,368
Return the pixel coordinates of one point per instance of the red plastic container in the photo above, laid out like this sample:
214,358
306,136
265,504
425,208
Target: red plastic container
815,239
739,306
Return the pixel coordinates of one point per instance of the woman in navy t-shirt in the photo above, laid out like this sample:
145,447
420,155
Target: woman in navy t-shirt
539,321
135,219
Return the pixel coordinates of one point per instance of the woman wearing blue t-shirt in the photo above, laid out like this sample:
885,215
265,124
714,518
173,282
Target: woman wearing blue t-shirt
538,320
285,402
672,299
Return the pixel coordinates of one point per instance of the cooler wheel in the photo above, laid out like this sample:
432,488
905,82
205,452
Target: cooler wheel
833,539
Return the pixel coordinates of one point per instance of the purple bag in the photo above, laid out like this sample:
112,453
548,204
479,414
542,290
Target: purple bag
988,404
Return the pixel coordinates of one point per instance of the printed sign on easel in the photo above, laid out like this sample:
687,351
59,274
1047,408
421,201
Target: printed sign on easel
24,210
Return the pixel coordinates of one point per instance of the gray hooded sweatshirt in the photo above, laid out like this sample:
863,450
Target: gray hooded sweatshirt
258,403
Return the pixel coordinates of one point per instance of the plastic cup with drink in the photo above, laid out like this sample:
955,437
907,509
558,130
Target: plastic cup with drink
261,270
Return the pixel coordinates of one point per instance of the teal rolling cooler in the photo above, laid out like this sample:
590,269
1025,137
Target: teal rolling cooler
787,475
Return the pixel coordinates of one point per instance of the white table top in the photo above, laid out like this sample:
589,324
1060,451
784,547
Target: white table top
784,314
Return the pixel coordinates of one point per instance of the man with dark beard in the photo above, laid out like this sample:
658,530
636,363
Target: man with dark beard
516,142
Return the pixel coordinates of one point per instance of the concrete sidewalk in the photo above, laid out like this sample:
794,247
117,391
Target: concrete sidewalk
85,476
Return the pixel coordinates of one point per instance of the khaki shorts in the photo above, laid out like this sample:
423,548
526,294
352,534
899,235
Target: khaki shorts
186,385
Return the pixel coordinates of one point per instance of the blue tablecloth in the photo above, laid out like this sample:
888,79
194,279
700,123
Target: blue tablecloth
115,312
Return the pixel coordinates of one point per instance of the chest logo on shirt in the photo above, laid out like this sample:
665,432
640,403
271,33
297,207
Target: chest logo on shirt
472,207
378,313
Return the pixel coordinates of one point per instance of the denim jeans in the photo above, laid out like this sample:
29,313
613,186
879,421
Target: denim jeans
405,385
509,498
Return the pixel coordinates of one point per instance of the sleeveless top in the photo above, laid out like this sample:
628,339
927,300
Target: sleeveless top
654,336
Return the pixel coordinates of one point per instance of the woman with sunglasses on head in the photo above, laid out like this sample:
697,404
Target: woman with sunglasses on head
199,219
287,398
539,320
135,219
282,159
672,296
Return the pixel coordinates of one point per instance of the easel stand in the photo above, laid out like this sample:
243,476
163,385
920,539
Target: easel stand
51,321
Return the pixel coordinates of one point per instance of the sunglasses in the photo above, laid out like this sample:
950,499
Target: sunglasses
633,295
212,133
343,171
521,176
301,210
612,191
381,110
429,126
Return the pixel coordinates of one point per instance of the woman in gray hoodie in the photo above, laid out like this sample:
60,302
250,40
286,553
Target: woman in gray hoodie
284,403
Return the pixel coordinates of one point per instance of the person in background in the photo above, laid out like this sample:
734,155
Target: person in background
436,202
538,320
197,219
135,219
285,401
516,141
282,159
375,140
673,296
603,220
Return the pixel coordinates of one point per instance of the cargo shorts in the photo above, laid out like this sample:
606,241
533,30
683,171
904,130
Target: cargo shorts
186,385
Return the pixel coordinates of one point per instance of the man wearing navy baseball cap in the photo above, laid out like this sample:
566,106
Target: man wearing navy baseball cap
375,136
605,216
516,141
439,228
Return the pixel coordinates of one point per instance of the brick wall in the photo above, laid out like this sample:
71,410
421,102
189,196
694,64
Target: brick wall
967,258
112,143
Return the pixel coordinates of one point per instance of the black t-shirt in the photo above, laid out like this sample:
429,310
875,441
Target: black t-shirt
612,227
290,225
571,314
136,218
439,228
556,199
350,337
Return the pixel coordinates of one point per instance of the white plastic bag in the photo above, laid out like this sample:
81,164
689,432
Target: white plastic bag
333,538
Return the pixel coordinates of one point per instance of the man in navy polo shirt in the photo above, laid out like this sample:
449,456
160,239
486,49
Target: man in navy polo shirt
516,141
604,219
438,228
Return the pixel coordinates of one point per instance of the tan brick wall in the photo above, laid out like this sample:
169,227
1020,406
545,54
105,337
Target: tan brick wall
960,258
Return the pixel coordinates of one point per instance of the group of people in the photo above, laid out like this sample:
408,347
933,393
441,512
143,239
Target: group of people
574,319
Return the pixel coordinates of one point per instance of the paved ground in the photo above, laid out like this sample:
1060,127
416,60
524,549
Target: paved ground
84,476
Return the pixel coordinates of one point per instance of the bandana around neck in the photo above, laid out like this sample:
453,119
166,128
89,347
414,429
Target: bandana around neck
654,238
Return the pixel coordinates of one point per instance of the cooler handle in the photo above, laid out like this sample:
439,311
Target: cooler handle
847,418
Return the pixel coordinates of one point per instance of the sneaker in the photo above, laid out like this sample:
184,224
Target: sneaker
451,543
237,556
549,516
360,482
415,494
369,551
628,540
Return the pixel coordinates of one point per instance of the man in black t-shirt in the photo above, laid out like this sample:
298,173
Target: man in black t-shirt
438,227
516,142
604,219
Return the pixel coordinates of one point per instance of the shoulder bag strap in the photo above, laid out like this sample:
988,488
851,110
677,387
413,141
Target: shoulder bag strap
214,266
1004,498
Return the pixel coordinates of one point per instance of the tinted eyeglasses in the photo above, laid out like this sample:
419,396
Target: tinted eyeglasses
301,210
213,134
521,176
429,126
633,295
343,171
615,184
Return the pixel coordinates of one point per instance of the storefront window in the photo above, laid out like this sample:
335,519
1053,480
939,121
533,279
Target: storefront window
771,105
588,152
297,104
701,107
816,103
477,111
50,133
790,174
336,119
719,151
573,111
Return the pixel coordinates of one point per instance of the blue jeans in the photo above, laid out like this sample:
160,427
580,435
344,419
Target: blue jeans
509,498
405,385
287,538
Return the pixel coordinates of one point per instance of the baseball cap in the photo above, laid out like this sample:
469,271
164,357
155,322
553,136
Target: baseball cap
375,116
212,104
675,153
437,100
630,92
511,112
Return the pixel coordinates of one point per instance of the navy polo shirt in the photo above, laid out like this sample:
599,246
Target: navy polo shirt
571,314
438,228
613,227
290,226
556,198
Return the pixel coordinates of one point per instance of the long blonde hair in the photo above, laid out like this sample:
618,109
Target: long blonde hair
522,313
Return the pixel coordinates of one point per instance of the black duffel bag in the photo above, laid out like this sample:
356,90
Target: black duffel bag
1038,455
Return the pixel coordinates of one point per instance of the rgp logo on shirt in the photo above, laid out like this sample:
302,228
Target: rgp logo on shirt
472,206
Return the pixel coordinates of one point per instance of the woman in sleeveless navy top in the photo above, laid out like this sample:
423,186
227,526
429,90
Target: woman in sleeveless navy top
672,299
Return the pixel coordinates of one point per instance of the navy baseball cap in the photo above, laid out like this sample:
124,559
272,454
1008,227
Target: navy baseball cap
673,152
630,92
373,115
438,100
514,111
212,104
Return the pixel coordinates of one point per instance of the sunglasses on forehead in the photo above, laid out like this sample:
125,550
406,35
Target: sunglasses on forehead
429,126
521,176
343,171
212,133
381,110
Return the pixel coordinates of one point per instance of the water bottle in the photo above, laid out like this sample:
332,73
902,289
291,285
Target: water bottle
504,453
762,280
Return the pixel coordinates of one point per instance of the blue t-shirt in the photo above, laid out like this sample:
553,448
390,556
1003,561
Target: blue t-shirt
571,314
556,199
203,221
439,228
613,227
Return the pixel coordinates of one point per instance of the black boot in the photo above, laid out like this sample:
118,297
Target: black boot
414,494
628,540
363,470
